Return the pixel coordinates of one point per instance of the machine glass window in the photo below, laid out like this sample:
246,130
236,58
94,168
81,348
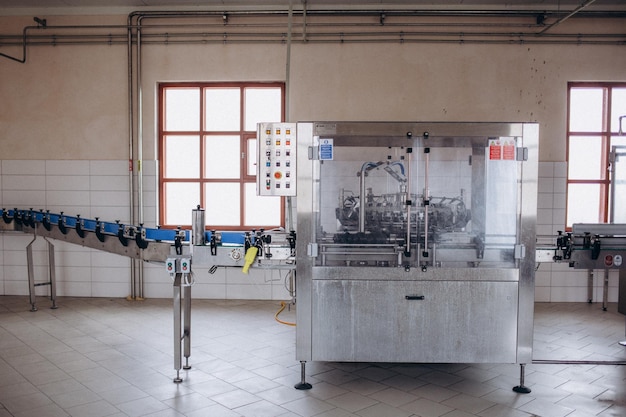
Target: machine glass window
182,112
595,138
207,153
451,199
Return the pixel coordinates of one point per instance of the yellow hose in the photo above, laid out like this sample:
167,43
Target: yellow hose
282,307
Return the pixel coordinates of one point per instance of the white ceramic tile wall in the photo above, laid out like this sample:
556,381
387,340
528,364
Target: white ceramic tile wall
559,282
100,189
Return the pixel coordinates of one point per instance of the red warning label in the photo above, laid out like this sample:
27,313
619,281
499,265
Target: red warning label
495,150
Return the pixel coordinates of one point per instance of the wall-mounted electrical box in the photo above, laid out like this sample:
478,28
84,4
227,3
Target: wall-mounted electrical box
276,159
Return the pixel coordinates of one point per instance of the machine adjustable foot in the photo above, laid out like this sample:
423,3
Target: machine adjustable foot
187,366
178,379
521,388
302,385
623,343
33,308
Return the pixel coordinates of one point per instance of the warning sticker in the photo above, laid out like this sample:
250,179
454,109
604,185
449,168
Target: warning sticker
495,149
508,149
502,149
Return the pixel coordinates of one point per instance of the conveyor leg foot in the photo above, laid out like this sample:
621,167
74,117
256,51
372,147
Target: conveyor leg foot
521,388
187,366
33,307
178,379
302,385
623,343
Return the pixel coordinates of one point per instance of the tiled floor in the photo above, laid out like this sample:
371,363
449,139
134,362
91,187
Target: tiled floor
109,357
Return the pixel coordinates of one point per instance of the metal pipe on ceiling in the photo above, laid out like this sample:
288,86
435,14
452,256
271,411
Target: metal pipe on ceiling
564,18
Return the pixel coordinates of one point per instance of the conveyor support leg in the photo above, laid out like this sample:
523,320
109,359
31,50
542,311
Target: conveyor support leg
31,275
182,324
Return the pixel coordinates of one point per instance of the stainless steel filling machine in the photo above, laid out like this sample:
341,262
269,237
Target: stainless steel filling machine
416,242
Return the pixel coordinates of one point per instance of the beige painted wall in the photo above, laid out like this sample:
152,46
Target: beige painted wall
70,102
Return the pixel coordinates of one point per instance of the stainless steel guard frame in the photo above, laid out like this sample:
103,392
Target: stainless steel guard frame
373,313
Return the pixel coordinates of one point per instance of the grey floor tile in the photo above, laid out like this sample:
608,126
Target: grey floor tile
110,357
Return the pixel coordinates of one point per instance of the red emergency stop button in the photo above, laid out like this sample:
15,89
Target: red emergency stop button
278,175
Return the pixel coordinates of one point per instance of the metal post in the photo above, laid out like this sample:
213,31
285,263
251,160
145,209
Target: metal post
605,291
52,274
187,323
177,327
31,274
590,286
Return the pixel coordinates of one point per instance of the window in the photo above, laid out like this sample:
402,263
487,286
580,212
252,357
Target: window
595,112
207,149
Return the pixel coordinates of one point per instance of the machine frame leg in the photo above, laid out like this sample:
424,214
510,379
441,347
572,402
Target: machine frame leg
177,327
302,385
187,324
590,286
605,290
521,388
182,324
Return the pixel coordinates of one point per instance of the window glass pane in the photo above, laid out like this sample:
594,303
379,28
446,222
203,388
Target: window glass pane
583,202
180,199
182,109
585,157
260,210
222,156
262,105
222,109
251,170
586,106
222,204
618,191
619,140
181,157
618,109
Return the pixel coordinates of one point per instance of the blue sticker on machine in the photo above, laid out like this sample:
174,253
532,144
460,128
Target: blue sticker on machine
326,149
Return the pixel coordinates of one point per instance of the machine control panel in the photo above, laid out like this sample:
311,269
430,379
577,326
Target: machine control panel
276,159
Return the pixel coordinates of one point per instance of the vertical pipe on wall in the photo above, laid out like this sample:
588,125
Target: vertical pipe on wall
139,153
287,94
131,145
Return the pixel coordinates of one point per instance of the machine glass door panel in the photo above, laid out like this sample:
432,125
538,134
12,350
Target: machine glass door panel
441,201
362,197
